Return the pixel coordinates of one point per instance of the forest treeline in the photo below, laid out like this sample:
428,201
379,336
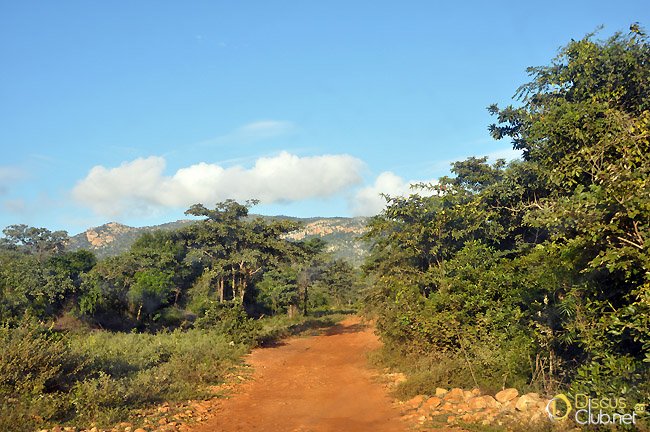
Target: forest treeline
171,278
534,273
87,340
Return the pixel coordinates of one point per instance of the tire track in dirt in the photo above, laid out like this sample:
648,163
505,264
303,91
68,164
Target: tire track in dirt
315,384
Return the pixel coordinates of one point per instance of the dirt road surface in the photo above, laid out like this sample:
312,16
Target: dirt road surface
311,384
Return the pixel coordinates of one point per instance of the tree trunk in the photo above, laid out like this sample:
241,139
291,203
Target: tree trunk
304,300
242,293
234,283
221,290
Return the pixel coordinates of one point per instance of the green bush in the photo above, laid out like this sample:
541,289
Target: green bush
36,368
231,320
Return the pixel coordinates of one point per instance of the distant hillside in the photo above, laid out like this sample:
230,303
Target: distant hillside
340,233
114,238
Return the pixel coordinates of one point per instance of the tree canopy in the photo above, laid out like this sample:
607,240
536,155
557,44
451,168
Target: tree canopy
550,251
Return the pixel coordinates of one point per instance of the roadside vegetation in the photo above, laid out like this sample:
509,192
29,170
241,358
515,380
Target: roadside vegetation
532,274
89,342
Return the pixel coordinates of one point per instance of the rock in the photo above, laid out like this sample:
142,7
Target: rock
56,429
490,402
163,421
416,401
440,392
202,407
408,417
476,392
541,406
467,395
526,401
431,403
510,405
477,403
140,430
94,429
506,395
455,395
163,409
470,418
448,407
537,417
395,378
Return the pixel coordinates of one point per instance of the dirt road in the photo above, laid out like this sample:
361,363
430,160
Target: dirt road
313,384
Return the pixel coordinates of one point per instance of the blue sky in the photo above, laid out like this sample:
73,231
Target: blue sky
129,111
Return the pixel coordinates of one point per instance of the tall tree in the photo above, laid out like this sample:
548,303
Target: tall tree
235,249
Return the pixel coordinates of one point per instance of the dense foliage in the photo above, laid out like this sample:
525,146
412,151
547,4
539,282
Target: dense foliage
176,313
536,272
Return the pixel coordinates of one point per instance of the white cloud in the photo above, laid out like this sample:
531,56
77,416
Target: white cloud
141,187
369,201
253,132
15,205
265,129
8,176
508,154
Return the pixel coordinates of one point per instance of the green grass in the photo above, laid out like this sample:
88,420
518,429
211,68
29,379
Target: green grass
92,376
426,372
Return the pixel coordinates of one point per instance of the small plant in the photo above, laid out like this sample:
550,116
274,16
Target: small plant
231,320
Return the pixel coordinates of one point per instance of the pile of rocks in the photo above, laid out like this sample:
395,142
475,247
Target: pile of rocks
456,406
164,418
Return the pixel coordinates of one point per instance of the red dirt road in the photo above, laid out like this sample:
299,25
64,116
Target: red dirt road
313,384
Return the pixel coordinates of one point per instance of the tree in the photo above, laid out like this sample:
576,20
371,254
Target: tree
151,290
339,281
38,241
279,289
551,251
236,251
585,120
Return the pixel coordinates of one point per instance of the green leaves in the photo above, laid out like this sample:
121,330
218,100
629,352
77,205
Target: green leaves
559,241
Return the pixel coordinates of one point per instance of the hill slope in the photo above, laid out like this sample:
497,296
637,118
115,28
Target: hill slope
340,233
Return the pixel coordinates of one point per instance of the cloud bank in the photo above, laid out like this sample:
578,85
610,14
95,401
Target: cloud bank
368,201
140,187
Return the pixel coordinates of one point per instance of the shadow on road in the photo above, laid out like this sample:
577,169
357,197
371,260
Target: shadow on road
339,329
311,327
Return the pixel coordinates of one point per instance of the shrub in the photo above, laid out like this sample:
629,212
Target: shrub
231,320
36,366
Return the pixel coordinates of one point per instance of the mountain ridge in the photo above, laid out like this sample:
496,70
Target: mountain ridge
340,233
